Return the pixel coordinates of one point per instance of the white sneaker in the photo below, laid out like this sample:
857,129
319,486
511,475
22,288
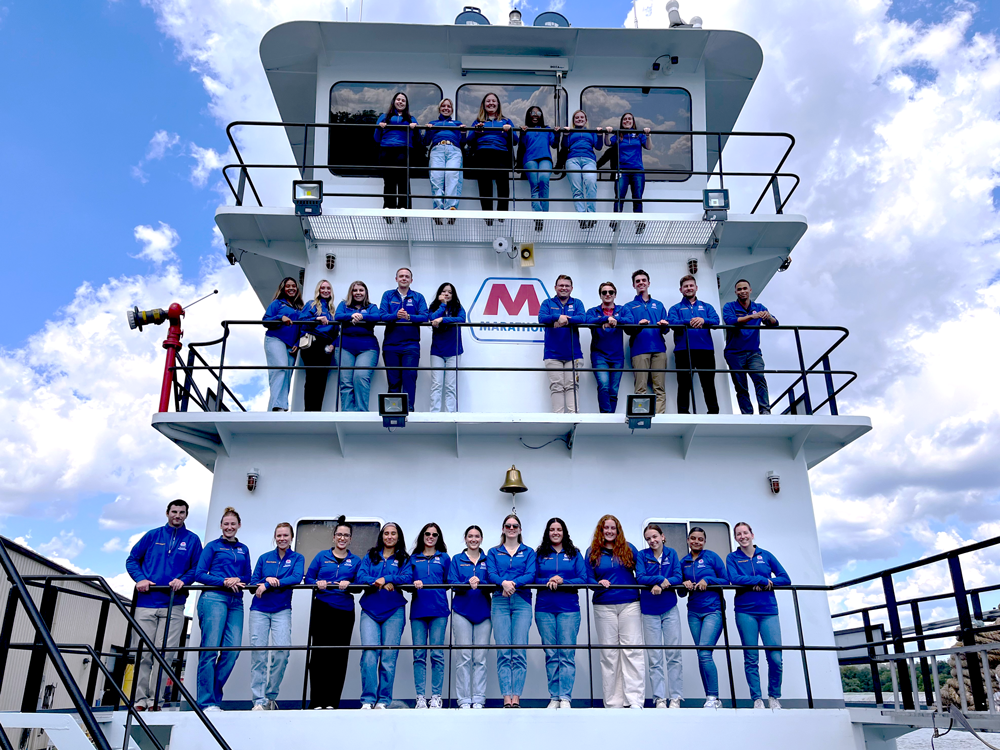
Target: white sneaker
554,703
774,704
759,703
212,709
661,703
564,703
436,702
367,706
381,705
259,707
712,702
477,705
675,702
636,705
421,702
272,705
466,705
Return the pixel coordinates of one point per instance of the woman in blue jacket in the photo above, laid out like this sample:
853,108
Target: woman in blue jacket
581,163
382,614
511,565
445,140
224,562
446,346
492,143
281,342
392,134
358,347
271,616
560,568
607,346
429,612
331,621
321,352
535,156
757,610
470,623
659,568
630,143
701,568
611,560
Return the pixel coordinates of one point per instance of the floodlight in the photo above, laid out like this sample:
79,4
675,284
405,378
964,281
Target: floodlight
639,409
393,408
307,195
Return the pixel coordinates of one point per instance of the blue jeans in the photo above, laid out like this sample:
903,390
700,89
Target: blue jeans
638,182
444,380
664,629
705,631
220,617
445,156
749,361
355,385
419,630
278,355
769,629
584,186
402,381
539,183
278,627
378,668
559,629
608,375
511,622
470,666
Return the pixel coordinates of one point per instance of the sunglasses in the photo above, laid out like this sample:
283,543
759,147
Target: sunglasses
608,291
511,526
431,533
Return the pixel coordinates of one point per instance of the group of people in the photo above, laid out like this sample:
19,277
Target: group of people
496,147
634,604
343,337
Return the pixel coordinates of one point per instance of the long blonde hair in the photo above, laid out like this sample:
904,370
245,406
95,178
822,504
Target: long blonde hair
483,117
317,298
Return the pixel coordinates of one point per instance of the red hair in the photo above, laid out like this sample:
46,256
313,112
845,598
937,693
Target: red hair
621,551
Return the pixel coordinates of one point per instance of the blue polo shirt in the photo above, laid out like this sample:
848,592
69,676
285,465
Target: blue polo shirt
446,339
630,149
444,132
580,145
287,334
608,342
747,338
429,569
692,338
326,566
646,340
538,144
402,336
709,568
758,570
608,568
562,343
473,605
287,570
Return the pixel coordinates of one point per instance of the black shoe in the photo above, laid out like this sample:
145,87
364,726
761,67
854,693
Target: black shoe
539,225
437,221
500,220
388,219
614,226
402,220
640,227
583,224
451,221
489,222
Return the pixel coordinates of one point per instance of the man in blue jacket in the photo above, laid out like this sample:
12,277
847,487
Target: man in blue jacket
562,344
165,556
649,351
404,310
743,347
693,347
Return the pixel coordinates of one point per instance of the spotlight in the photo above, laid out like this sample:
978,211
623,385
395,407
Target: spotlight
252,478
785,264
639,411
307,197
331,261
230,256
693,266
393,408
774,481
716,204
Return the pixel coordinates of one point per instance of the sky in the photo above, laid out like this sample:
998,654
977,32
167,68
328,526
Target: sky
895,109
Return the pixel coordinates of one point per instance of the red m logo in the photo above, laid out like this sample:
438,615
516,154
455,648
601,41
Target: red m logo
500,294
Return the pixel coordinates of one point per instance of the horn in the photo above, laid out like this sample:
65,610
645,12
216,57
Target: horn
513,484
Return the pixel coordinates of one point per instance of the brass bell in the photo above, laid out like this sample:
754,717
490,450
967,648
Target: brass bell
512,484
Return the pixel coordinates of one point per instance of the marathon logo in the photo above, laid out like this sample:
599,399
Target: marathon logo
503,301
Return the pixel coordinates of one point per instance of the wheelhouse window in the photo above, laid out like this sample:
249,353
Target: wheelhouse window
353,150
514,101
670,158
675,533
312,535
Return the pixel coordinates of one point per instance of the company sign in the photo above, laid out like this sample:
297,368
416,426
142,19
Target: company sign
503,302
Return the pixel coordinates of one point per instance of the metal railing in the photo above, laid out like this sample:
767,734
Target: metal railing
799,395
720,138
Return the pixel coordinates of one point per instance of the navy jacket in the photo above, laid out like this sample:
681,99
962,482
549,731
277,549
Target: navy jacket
646,340
288,572
562,343
160,556
380,604
709,568
394,137
492,136
608,568
474,606
608,342
325,335
221,560
747,338
519,569
692,338
288,334
327,567
402,336
446,340
358,337
433,569
758,570
573,570
649,572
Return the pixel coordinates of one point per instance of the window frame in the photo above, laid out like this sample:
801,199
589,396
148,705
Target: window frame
688,522
328,519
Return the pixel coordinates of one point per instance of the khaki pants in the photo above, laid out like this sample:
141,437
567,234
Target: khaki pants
652,361
562,385
153,621
623,670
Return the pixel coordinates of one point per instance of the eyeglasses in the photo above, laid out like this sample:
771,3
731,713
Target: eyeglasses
431,533
608,291
511,526
342,536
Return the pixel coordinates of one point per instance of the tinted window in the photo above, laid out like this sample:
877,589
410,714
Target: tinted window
654,108
314,535
514,102
675,534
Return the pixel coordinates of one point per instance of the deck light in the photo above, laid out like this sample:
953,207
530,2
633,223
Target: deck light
693,266
253,476
514,19
640,410
716,204
307,195
774,481
785,264
393,408
331,261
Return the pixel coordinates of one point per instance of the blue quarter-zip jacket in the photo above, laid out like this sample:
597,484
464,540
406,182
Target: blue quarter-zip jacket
446,340
538,144
709,568
630,149
289,335
160,556
649,572
646,340
692,338
519,569
758,570
492,136
608,342
747,338
325,335
562,343
393,137
326,567
357,338
474,606
288,572
379,604
402,336
221,560
608,568
573,570
442,133
582,145
433,569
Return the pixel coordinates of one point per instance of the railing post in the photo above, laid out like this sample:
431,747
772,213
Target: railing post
36,666
777,194
802,367
896,631
722,185
802,642
7,631
830,390
188,376
925,670
102,626
241,186
590,648
872,664
222,359
729,655
968,635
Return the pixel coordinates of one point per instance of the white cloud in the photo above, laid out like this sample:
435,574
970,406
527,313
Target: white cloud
67,545
207,160
115,544
160,144
158,244
139,174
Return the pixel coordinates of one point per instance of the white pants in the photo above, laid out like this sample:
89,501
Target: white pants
623,670
562,385
444,377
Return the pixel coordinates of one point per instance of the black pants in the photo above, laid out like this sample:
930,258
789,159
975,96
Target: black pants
491,158
315,388
328,667
396,190
701,359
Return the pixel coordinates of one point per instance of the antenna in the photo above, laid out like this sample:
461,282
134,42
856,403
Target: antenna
188,307
361,12
635,14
